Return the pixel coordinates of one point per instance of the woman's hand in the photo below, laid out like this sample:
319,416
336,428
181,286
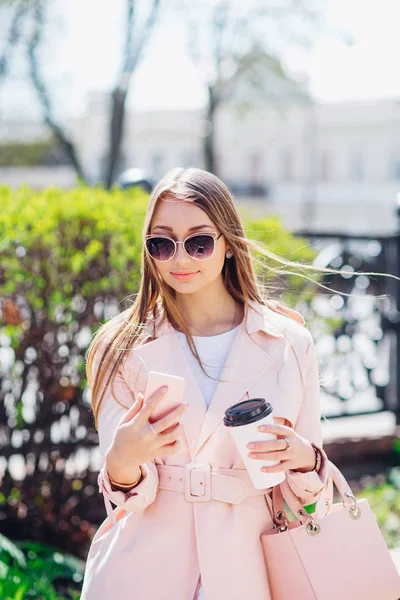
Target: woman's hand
135,442
299,457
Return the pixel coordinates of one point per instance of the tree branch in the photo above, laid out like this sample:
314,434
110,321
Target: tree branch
130,61
14,35
149,24
42,92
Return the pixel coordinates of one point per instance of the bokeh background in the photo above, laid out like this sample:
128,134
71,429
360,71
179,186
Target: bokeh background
295,105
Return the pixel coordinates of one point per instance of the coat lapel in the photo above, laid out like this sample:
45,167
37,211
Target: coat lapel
246,363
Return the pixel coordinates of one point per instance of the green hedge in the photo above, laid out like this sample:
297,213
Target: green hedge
87,241
38,571
67,259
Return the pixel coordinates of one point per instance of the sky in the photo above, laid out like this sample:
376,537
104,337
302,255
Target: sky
86,57
369,68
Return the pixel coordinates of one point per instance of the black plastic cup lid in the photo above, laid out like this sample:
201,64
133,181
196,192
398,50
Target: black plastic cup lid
247,412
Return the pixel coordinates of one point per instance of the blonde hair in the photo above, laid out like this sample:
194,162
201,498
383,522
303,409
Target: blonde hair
155,300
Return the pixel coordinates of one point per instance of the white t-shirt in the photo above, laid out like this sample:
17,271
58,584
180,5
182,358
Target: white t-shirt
213,351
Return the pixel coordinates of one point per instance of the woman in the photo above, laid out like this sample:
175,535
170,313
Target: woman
176,533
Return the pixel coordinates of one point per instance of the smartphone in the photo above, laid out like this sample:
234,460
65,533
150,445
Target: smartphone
172,398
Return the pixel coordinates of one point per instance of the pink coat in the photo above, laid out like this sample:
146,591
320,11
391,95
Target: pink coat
157,541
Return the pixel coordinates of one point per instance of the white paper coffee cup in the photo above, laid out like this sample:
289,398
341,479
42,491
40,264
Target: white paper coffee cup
243,420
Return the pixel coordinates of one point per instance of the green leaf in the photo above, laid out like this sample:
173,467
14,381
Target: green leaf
7,547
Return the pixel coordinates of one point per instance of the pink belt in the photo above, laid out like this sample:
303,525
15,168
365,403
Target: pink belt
200,483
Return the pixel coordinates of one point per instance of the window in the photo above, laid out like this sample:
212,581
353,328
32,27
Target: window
325,166
255,177
356,165
287,165
255,167
394,167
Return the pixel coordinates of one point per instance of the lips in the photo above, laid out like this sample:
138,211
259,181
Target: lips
183,275
183,272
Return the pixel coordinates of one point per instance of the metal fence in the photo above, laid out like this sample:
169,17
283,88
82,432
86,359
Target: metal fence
360,354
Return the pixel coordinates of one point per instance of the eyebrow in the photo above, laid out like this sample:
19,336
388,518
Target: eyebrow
195,228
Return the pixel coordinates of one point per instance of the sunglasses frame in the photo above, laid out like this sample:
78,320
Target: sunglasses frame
215,237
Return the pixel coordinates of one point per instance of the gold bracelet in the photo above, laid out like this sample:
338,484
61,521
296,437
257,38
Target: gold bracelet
125,485
318,458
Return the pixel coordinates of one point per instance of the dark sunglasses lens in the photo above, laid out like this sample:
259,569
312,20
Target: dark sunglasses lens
200,247
160,248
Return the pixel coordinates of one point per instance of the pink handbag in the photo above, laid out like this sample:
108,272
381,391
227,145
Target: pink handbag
336,552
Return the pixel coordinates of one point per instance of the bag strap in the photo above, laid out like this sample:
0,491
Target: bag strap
283,492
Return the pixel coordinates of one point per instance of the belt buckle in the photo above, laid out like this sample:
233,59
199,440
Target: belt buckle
203,470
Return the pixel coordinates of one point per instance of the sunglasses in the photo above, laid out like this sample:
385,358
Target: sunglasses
198,246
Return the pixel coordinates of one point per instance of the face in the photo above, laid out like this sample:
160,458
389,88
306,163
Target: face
177,220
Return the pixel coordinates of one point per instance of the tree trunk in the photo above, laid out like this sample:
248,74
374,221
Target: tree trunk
209,138
116,133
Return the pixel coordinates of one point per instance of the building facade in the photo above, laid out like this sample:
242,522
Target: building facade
312,163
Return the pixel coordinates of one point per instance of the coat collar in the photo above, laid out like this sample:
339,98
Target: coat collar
247,361
258,317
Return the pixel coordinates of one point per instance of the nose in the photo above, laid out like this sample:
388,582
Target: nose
181,257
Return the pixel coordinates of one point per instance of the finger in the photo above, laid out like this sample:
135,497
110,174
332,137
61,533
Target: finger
152,401
278,429
171,448
267,446
171,436
171,418
267,456
133,410
276,468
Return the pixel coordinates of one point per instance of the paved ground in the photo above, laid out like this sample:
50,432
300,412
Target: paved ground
363,426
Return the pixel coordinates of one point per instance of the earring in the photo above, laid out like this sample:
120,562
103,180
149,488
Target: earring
229,254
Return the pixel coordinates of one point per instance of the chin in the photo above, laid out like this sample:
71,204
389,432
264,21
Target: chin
184,287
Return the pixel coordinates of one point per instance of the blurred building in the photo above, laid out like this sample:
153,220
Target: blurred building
329,163
335,152
300,158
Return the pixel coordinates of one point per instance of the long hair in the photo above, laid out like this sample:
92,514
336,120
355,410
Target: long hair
155,300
